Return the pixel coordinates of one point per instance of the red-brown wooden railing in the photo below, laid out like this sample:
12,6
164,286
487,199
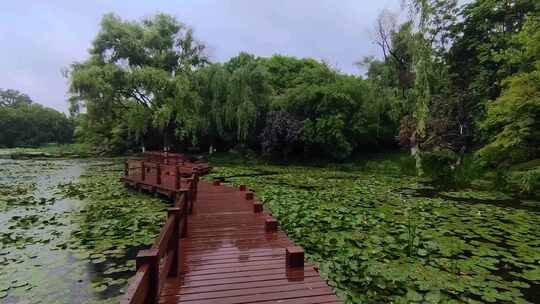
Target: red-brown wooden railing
179,180
168,158
153,176
163,259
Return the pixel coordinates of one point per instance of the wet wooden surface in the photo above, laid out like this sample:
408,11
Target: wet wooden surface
229,257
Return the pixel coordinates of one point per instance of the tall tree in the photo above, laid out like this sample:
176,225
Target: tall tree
478,58
235,99
432,19
396,43
513,119
391,79
140,72
248,96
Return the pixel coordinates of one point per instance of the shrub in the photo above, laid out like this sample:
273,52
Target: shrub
407,165
529,182
467,171
281,133
439,165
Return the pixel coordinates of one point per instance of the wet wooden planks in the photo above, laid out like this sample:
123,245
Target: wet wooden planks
228,257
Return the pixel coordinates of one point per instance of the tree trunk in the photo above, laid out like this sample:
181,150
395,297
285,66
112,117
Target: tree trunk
415,152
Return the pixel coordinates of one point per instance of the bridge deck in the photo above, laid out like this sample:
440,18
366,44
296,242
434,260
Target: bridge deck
229,257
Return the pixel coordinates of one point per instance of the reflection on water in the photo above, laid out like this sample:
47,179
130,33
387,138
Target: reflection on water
35,222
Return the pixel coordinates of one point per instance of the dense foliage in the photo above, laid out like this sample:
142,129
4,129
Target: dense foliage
149,84
25,123
513,119
464,80
281,132
13,98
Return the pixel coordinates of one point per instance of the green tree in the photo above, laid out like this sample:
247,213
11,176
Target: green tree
332,107
140,73
513,119
13,98
235,99
248,96
479,58
281,135
33,125
432,20
391,79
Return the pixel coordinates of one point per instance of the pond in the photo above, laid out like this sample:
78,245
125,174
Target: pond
64,227
380,236
69,231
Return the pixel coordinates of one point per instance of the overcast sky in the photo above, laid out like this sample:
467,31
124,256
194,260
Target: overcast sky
40,38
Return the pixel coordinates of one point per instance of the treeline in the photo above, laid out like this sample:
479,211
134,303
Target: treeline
453,81
24,123
150,84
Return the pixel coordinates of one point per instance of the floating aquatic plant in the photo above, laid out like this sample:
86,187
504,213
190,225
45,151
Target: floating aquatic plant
377,243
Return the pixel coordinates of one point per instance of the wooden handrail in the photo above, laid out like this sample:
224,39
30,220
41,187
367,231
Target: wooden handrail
134,168
163,259
138,290
165,235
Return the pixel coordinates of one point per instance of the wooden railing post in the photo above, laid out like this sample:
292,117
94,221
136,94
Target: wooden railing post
196,185
179,199
143,171
186,200
126,168
257,207
175,240
177,178
191,182
158,172
270,224
150,257
294,256
183,216
184,222
189,196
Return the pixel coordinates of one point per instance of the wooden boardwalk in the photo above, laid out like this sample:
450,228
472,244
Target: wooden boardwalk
230,257
217,246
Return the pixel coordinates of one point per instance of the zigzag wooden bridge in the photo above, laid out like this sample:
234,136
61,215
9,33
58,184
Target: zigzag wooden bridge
218,244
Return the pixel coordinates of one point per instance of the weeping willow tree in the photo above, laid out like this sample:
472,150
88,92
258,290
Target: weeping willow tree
211,83
236,97
248,99
432,19
422,92
138,75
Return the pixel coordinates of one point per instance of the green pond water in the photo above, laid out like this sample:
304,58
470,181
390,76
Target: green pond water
69,231
63,227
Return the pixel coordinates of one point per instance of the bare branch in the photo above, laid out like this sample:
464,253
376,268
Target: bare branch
385,27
